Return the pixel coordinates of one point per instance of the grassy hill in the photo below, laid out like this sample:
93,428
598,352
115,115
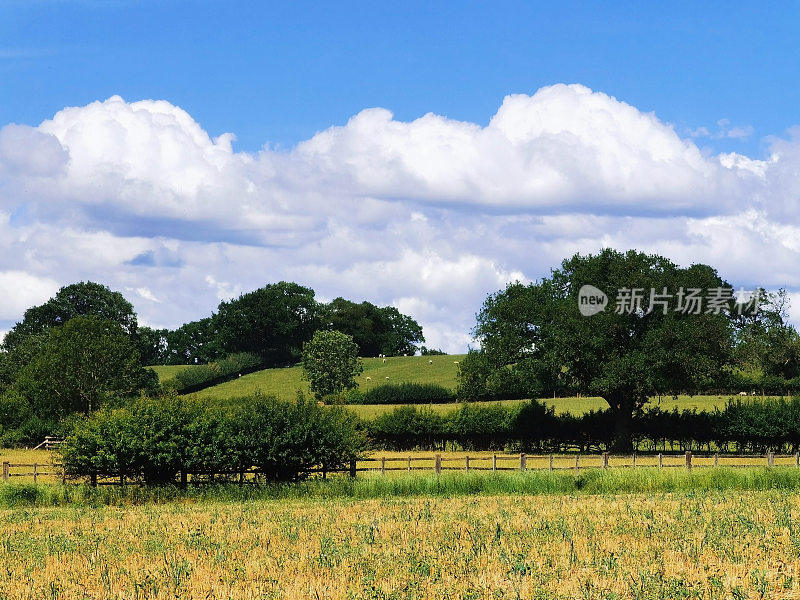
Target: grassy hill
285,382
165,372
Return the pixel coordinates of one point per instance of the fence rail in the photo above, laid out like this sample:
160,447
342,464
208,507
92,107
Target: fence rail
438,463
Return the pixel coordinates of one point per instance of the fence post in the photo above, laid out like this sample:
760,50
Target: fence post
5,471
634,459
689,459
409,464
523,462
93,479
660,460
716,459
494,462
770,459
797,459
551,462
383,465
184,479
35,472
577,463
466,465
352,468
438,464
605,460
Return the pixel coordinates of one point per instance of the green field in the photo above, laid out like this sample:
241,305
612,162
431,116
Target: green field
165,372
443,371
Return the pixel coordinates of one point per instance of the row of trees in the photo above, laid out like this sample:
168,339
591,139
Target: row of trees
274,321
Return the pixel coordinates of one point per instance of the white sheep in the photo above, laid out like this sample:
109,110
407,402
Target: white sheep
404,354
455,362
369,378
387,377
430,362
384,360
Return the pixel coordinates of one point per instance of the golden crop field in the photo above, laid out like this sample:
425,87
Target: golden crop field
701,545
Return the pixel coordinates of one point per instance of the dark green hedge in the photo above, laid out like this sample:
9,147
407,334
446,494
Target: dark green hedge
153,440
406,393
746,425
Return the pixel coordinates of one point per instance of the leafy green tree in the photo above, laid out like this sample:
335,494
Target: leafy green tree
376,330
622,356
194,342
765,343
75,300
83,364
153,345
330,363
272,322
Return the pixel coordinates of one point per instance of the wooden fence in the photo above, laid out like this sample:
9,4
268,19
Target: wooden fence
438,463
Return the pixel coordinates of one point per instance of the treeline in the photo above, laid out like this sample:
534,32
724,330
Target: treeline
84,348
158,441
479,380
272,322
742,426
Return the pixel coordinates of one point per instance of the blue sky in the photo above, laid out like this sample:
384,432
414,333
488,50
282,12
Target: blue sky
415,154
278,72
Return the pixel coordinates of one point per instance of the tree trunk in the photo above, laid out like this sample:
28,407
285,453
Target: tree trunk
622,409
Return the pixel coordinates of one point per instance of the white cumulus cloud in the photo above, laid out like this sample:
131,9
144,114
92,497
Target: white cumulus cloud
428,215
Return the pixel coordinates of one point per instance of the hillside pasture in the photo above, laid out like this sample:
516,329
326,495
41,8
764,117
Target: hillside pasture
285,382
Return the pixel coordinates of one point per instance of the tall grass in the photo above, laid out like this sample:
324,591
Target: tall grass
593,481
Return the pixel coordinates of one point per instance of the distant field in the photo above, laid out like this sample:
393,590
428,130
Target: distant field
165,372
284,383
576,406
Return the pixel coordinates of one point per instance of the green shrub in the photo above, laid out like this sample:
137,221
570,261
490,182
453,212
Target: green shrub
286,440
152,440
479,426
408,427
408,393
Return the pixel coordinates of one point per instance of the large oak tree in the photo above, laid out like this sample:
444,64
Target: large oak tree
622,356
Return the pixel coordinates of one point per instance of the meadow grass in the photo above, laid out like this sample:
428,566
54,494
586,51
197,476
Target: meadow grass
285,382
165,372
373,485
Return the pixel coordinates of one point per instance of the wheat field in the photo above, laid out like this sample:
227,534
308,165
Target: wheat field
698,545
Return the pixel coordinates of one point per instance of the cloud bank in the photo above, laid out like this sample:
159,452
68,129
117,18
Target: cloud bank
428,215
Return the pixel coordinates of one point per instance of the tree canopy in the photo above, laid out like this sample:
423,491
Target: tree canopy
75,300
330,363
376,330
272,321
82,365
538,331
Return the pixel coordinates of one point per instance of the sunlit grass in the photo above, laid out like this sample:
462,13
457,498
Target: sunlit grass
458,537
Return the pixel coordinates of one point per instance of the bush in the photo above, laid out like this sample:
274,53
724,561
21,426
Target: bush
479,426
152,440
406,428
286,440
408,393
